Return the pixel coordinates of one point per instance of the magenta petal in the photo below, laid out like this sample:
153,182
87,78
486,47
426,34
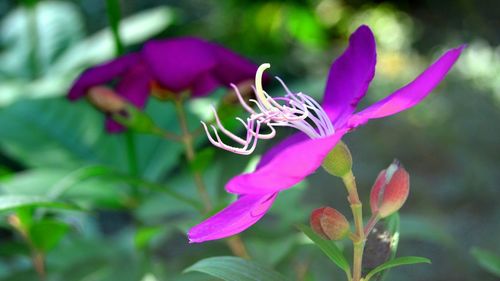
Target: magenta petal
177,63
235,218
112,126
135,85
412,93
286,168
100,74
275,150
350,76
205,84
232,68
193,64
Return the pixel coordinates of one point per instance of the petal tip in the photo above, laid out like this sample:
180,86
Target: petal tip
364,27
460,48
192,240
363,30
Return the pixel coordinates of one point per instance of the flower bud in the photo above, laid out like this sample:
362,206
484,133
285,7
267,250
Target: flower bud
338,162
160,92
105,99
390,190
329,223
137,120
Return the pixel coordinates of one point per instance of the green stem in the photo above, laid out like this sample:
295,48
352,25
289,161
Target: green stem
359,235
187,140
34,37
37,256
371,224
235,243
114,15
132,157
162,189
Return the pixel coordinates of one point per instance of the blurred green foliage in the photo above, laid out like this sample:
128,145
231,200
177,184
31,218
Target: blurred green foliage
65,192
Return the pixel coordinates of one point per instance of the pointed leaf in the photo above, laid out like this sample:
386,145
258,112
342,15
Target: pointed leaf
328,247
9,202
46,234
393,226
487,260
233,268
396,262
73,134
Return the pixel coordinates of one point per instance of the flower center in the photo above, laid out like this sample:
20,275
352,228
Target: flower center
296,110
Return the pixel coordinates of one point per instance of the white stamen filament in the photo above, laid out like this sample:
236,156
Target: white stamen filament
298,111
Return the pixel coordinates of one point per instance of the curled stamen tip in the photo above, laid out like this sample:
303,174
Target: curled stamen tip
259,91
263,67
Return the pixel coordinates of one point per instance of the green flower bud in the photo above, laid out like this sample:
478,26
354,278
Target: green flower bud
338,162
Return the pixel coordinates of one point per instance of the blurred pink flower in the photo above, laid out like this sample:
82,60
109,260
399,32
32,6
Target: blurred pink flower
175,65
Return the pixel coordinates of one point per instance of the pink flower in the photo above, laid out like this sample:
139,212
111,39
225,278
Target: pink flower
174,65
320,126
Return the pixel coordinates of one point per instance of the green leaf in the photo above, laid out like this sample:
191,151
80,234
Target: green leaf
5,172
396,262
328,247
46,234
487,260
270,252
145,234
32,38
393,226
83,186
9,202
233,268
45,133
303,26
392,223
95,185
62,52
100,46
114,15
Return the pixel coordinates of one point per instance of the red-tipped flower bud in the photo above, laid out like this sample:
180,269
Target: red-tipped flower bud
329,223
390,190
105,99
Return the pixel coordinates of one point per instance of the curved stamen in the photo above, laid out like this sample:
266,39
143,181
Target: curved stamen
259,91
241,100
295,110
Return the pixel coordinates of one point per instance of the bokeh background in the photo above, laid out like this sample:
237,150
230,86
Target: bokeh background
50,147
